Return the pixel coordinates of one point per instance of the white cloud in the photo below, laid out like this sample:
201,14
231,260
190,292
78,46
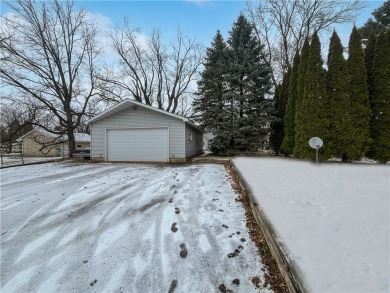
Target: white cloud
104,24
200,2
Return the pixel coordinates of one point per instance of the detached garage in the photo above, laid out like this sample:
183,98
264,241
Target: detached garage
134,132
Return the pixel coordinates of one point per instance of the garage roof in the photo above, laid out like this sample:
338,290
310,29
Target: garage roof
128,103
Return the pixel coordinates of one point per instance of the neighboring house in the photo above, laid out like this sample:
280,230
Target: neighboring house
41,143
134,132
207,138
16,147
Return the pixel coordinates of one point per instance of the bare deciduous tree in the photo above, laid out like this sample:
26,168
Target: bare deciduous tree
283,25
152,72
49,54
15,120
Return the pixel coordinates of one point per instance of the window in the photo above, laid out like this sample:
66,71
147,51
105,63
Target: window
79,145
190,136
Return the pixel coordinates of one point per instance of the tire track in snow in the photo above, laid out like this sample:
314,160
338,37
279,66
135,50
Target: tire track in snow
137,249
44,177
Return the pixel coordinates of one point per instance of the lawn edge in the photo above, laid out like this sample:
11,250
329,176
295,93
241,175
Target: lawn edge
287,268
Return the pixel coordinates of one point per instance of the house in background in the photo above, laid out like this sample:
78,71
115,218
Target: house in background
134,132
207,138
41,143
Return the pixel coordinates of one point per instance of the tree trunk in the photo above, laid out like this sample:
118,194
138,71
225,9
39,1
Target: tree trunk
72,143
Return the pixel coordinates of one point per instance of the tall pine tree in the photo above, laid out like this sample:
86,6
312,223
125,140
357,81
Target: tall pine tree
380,100
314,120
339,134
299,114
210,103
359,108
249,83
289,117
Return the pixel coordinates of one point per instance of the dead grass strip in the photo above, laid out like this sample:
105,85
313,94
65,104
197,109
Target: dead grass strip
273,276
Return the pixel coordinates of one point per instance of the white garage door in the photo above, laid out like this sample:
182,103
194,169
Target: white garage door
138,145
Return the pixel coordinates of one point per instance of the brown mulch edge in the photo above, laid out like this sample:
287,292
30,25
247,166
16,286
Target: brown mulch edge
273,276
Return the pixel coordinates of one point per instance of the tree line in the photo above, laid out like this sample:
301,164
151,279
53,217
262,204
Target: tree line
53,74
347,104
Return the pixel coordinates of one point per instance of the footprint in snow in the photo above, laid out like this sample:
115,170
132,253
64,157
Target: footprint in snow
236,282
93,283
236,252
171,200
177,211
173,286
183,251
174,228
223,289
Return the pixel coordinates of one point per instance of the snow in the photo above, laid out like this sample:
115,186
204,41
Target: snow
333,218
74,227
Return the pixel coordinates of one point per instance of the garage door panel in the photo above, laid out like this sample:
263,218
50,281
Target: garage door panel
138,144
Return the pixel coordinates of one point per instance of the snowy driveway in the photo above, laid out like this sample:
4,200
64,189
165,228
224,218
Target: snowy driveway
123,228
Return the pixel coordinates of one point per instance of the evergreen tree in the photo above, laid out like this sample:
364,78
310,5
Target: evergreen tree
339,131
380,100
369,62
359,109
299,115
289,116
211,96
313,110
249,82
277,127
276,134
380,23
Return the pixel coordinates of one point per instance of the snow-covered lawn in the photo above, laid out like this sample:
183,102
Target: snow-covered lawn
73,227
334,219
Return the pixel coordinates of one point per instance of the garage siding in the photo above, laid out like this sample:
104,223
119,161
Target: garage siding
143,118
194,145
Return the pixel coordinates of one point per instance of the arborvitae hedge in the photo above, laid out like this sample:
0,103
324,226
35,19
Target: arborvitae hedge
289,117
276,135
338,101
277,127
314,120
369,62
358,138
299,114
380,100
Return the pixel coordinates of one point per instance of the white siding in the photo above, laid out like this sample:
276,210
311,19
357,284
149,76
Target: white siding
194,141
141,117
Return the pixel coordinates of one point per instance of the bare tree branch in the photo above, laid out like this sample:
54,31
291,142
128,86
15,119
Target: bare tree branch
150,71
283,25
49,54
